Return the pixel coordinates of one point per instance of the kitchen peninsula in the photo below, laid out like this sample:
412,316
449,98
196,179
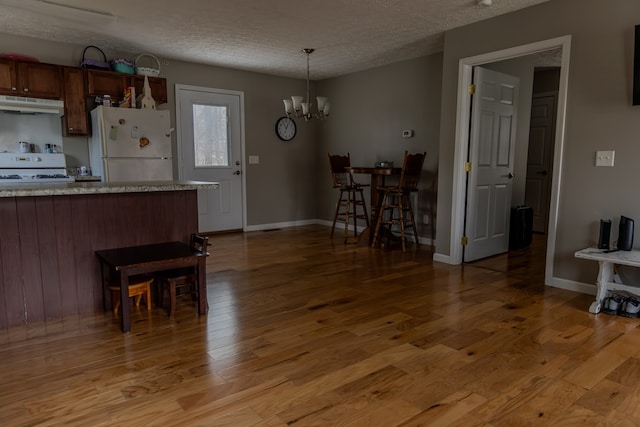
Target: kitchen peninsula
49,234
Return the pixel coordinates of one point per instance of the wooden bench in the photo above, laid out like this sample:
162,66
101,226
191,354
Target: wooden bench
606,262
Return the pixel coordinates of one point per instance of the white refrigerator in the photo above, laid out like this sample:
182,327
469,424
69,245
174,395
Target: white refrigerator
129,144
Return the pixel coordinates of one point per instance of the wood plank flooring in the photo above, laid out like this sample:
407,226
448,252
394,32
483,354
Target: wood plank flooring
305,331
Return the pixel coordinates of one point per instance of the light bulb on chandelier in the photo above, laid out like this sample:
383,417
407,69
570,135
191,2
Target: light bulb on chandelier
297,107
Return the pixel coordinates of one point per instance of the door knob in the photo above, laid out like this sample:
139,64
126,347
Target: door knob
237,162
509,175
237,173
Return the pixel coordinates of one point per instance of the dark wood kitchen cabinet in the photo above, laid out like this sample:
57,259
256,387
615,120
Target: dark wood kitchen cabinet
38,80
157,85
8,83
32,79
100,83
75,106
80,84
74,85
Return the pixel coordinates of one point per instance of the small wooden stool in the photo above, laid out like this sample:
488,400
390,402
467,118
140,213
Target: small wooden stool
137,289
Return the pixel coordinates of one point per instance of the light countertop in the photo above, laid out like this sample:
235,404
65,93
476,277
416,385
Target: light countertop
74,188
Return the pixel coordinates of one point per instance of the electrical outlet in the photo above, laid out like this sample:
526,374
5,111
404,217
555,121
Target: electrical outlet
605,158
254,160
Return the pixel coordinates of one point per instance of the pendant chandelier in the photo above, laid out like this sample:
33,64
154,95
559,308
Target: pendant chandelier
298,107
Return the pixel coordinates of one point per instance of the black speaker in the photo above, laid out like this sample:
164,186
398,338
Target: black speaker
605,234
636,67
625,234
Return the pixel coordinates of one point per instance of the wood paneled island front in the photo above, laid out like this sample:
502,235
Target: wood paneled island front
49,234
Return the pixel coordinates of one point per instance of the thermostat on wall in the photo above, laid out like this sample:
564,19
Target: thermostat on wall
407,133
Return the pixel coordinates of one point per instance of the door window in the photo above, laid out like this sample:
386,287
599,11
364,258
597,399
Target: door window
210,136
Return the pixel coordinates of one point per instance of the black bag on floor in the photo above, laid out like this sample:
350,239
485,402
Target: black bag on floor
521,230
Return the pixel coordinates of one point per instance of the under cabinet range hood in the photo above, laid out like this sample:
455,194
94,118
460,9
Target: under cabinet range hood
20,104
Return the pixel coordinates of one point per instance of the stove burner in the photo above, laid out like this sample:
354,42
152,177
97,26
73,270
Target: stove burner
10,177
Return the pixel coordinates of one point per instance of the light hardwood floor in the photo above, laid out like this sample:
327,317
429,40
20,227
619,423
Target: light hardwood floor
303,331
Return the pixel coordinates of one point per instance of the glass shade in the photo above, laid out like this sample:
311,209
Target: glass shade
305,108
288,105
322,101
297,101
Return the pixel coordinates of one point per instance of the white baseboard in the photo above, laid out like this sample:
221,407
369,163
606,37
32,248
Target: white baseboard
446,259
570,285
261,227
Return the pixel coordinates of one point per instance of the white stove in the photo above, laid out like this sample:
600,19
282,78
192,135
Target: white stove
33,168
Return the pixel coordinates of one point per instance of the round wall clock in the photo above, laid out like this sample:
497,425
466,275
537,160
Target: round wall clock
286,128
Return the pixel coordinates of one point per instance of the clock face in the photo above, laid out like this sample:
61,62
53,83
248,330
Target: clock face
286,128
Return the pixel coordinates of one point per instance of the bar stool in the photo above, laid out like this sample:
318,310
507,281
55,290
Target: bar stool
395,206
138,287
351,195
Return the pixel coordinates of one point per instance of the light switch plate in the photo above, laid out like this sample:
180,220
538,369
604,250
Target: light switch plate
605,158
254,160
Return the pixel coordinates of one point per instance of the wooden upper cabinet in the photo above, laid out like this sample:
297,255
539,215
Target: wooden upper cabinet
37,80
157,85
32,79
8,84
101,83
75,107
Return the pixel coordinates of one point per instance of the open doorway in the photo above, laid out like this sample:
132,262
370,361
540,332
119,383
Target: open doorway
544,106
509,181
461,144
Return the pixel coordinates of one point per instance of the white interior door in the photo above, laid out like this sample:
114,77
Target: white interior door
210,129
491,156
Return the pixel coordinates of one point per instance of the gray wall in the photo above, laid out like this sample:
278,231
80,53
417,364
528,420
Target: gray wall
278,189
369,111
599,115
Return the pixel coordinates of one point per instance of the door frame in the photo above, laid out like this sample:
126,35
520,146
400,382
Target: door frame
465,67
240,94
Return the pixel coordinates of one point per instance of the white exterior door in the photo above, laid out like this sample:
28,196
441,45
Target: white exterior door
210,128
491,157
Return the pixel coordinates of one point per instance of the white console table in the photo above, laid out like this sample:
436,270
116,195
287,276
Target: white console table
606,262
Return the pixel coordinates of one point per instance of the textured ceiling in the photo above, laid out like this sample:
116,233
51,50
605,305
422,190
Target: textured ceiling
265,36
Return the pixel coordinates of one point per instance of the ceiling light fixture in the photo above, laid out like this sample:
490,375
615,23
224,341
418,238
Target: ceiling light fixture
297,107
485,2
